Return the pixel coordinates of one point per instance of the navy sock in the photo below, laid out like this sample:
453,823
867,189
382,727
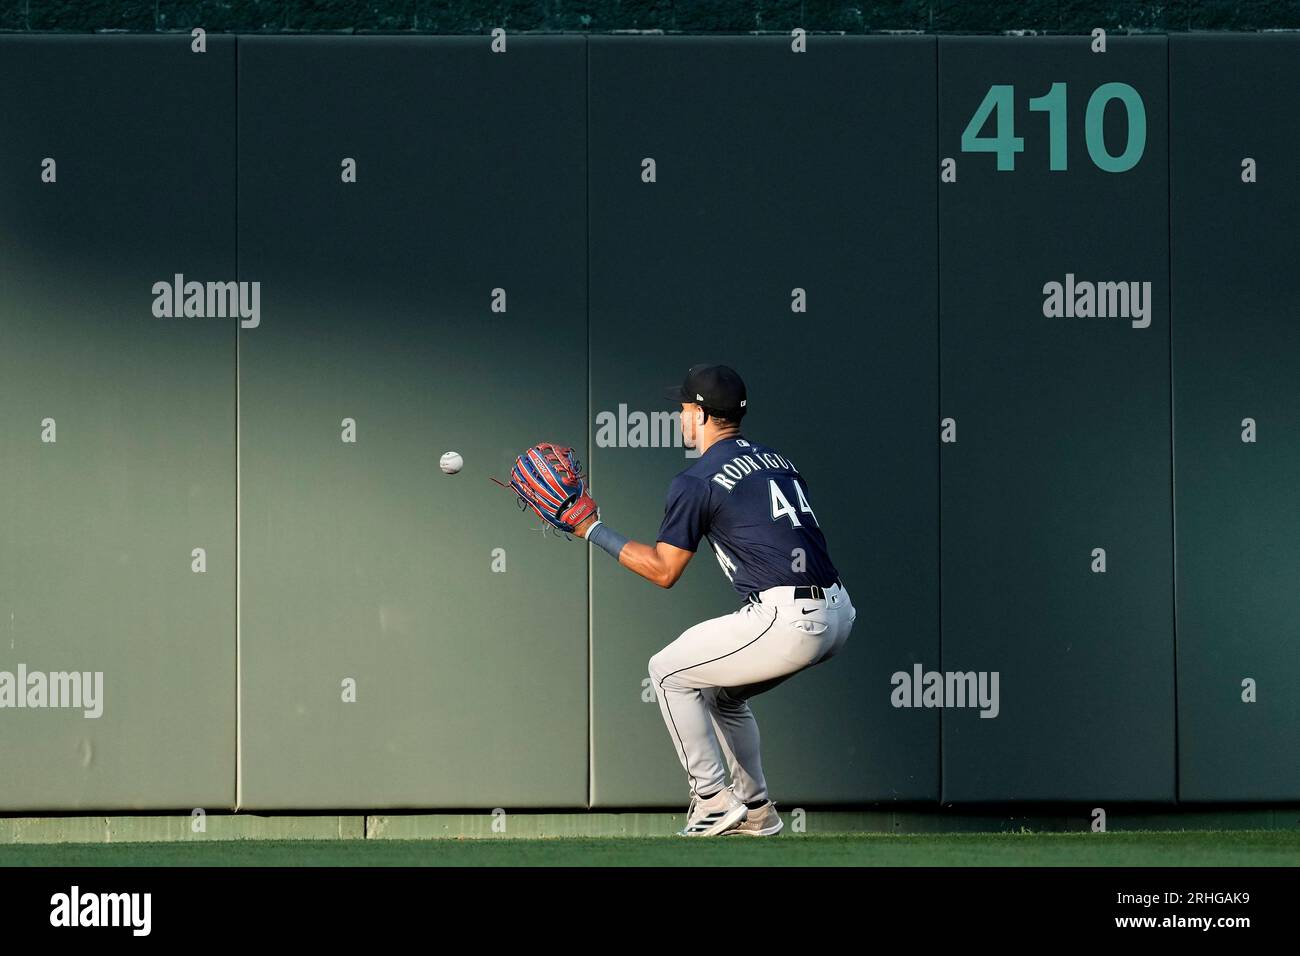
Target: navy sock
755,804
708,796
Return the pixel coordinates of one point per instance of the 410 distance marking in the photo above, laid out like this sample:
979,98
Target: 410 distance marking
1000,100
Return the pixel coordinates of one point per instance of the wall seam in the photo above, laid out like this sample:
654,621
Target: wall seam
938,350
239,501
591,676
1173,509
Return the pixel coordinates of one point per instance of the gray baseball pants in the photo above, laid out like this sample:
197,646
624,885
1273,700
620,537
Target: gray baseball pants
705,678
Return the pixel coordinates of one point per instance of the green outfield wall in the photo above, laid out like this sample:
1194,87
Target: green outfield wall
1041,378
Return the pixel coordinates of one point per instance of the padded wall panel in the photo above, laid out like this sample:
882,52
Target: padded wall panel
1056,501
1236,357
775,171
464,632
98,526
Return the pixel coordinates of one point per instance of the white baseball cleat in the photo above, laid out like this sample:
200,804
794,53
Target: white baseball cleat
763,821
713,816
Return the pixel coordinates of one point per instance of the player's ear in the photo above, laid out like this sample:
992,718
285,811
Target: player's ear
699,416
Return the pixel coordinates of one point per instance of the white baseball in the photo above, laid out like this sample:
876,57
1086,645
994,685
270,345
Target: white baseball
451,462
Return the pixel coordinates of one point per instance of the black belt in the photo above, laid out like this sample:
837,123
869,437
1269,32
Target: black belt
803,592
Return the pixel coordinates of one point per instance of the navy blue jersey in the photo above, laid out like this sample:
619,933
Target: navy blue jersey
752,505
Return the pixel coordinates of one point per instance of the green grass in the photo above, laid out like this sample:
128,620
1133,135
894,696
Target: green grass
1136,848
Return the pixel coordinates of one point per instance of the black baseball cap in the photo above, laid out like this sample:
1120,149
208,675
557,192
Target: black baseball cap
718,389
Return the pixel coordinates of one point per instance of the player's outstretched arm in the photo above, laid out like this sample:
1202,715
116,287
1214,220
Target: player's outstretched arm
660,564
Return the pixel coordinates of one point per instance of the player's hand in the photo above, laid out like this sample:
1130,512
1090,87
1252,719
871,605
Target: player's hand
584,526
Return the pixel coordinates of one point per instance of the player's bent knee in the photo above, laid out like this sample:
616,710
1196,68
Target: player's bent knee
665,673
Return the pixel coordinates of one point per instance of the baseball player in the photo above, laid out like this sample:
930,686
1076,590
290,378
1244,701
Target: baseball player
752,506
